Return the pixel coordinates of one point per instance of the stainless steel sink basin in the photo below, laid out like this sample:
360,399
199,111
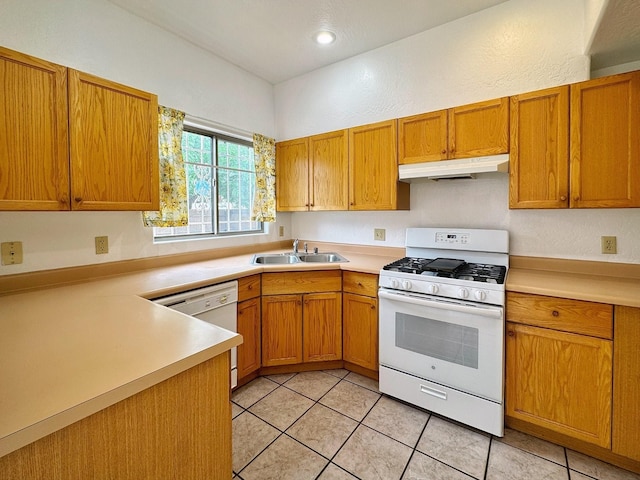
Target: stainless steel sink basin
289,258
322,257
274,259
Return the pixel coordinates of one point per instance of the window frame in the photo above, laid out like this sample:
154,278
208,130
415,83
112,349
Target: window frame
215,136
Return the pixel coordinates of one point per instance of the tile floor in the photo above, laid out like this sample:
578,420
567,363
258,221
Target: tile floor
335,425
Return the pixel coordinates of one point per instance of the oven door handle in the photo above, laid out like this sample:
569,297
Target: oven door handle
482,310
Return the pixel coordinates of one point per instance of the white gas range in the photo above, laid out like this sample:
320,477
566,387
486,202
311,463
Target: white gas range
442,324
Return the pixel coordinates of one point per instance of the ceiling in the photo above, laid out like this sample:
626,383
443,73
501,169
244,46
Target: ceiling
617,39
273,39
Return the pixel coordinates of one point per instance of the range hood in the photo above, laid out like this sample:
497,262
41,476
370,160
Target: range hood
452,169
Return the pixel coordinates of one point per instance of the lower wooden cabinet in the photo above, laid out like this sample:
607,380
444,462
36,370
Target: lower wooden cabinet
360,330
281,330
249,325
301,317
558,380
360,319
322,327
561,381
626,383
249,328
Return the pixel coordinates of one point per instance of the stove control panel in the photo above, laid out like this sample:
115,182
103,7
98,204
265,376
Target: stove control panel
444,287
449,238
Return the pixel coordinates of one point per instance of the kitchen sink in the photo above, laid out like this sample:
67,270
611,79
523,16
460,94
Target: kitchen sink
274,259
321,257
289,258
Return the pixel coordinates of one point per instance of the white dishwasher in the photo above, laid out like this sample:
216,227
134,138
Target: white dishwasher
216,305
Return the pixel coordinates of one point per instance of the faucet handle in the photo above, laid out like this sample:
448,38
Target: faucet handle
315,250
306,250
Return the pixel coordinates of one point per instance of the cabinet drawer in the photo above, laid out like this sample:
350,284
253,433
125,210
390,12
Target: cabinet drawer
360,283
248,287
575,316
301,282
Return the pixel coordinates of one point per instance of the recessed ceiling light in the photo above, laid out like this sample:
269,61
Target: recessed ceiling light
324,37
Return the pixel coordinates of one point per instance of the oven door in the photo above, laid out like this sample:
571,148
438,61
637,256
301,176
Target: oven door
456,344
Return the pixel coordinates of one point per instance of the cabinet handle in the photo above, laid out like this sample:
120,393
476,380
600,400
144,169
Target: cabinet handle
555,313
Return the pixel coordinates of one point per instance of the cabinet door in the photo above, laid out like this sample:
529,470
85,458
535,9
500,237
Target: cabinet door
360,330
249,328
329,171
292,175
626,383
479,129
605,142
114,145
422,138
281,330
34,151
373,169
322,327
560,381
539,152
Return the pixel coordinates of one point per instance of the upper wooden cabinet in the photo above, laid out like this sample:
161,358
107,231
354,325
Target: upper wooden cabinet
474,130
34,149
605,142
312,173
479,129
113,133
423,138
69,140
373,169
577,145
539,156
292,175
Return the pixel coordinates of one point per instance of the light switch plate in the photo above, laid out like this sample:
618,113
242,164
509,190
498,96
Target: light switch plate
379,234
11,253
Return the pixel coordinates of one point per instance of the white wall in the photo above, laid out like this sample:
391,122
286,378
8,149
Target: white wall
100,38
515,47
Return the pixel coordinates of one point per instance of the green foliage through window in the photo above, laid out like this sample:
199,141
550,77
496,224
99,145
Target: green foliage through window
221,182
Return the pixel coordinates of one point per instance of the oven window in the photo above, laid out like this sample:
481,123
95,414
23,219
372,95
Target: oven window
445,341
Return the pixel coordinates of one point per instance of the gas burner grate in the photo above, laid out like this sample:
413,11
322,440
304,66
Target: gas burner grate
479,272
408,265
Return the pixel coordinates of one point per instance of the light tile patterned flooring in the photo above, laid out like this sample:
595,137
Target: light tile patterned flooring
335,425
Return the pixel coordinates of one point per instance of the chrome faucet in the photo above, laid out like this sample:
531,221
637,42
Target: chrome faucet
295,246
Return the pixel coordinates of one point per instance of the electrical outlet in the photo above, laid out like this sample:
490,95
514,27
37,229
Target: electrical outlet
11,253
281,231
379,234
102,245
609,244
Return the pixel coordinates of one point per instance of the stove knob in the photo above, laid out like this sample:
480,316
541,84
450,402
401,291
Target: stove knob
463,293
480,295
394,283
406,284
432,288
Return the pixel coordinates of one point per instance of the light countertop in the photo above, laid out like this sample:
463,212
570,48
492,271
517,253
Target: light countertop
70,351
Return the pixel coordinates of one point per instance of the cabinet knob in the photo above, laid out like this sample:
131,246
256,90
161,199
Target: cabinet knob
78,199
555,313
563,197
250,287
511,333
444,152
311,205
373,307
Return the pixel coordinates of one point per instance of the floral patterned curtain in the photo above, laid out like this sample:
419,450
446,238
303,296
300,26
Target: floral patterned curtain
173,181
264,203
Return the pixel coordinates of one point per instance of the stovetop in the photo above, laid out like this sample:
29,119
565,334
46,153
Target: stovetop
449,268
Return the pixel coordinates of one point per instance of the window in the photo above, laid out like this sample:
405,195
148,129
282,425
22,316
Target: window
221,182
